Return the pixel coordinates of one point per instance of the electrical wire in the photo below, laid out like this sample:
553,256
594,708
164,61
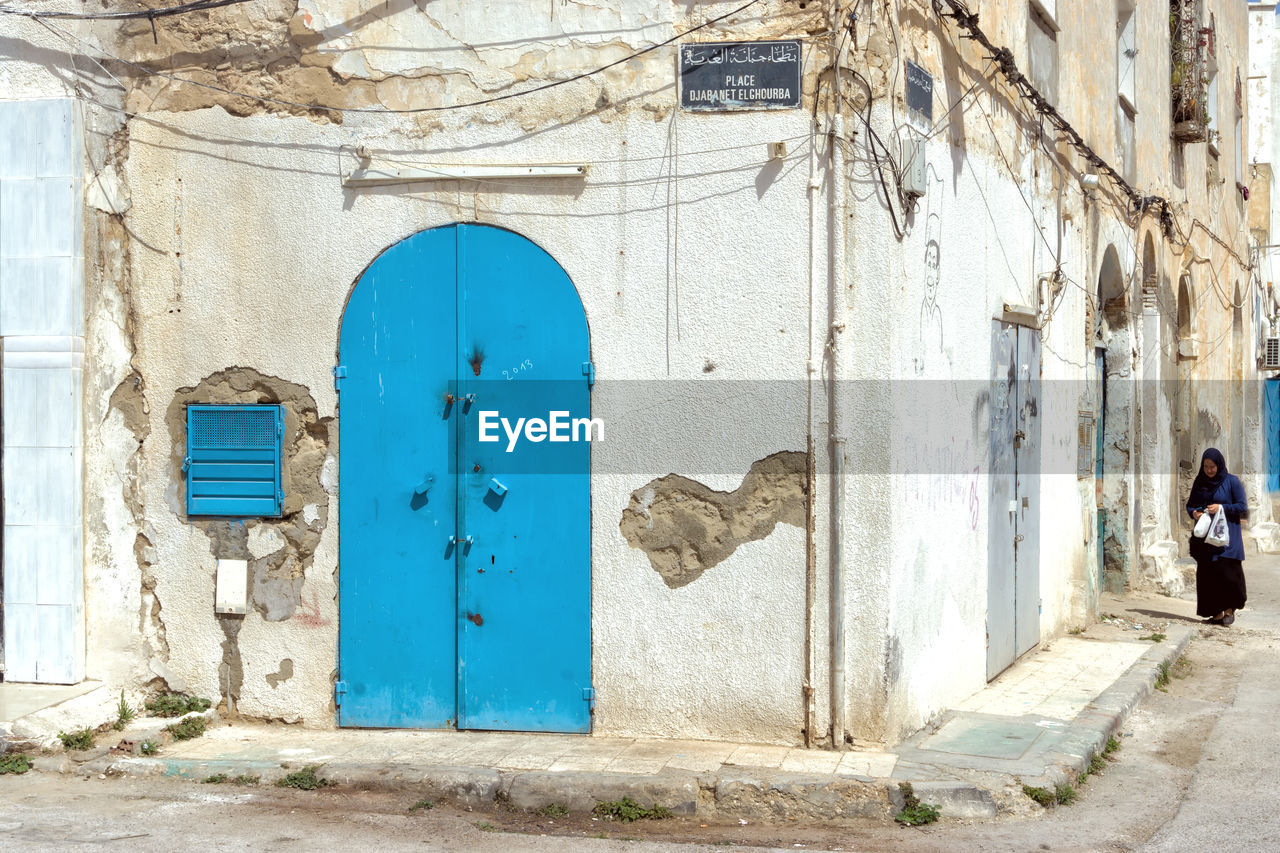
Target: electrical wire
163,12
314,107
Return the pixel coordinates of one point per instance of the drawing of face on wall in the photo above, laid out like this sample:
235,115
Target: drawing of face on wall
931,252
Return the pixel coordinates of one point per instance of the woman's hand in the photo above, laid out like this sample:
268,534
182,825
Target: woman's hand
1213,508
1196,514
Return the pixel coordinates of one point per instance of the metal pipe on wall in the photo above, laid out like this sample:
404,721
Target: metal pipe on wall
837,313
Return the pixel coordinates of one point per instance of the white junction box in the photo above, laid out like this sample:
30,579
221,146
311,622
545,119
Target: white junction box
231,592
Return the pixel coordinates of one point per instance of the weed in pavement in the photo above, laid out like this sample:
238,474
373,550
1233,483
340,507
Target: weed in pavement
216,779
149,747
554,810
485,826
1065,794
124,714
1154,637
1043,796
304,779
1111,747
14,762
189,728
914,812
421,805
82,739
627,810
1097,763
1162,676
176,704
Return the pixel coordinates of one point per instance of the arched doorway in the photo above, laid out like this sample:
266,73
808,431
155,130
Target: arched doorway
1114,363
464,552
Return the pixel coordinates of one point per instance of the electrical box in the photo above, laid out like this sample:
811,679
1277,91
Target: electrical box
913,168
231,589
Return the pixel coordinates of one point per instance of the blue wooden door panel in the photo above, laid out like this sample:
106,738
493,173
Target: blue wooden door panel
492,632
525,590
397,496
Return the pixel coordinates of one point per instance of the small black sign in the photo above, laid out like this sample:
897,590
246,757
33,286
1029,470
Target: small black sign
919,96
735,75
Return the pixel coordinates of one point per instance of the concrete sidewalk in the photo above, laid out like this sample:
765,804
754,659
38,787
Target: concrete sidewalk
1039,724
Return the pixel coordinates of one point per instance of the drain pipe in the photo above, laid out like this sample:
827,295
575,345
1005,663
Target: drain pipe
837,314
811,374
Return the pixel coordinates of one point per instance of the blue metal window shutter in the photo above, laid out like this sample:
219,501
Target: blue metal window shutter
233,460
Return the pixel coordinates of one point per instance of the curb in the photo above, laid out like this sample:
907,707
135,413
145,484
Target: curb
1106,715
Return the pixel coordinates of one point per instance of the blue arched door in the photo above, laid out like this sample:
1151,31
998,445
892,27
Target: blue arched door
464,554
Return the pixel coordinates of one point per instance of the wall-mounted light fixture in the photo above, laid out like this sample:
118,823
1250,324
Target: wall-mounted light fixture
368,175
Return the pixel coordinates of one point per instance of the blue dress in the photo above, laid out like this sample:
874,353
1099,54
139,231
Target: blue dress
1219,573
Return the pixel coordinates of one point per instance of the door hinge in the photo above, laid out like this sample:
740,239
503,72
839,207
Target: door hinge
589,696
339,374
589,371
186,464
339,690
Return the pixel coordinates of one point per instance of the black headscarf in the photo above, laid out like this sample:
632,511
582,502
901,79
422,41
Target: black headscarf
1203,489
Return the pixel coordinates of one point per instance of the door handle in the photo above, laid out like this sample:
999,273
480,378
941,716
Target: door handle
468,541
424,486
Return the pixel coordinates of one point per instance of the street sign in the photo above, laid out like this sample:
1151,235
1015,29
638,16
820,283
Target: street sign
755,75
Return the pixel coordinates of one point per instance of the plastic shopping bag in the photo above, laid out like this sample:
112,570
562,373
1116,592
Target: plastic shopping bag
1201,529
1219,533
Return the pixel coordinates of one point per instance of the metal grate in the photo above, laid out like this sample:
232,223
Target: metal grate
1272,356
1084,445
241,427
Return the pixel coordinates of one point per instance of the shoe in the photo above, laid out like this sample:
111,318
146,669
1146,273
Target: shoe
1212,620
1229,619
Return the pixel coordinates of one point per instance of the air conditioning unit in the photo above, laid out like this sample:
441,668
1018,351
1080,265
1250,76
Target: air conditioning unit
1271,353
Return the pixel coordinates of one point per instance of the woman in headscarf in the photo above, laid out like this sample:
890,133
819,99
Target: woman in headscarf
1219,574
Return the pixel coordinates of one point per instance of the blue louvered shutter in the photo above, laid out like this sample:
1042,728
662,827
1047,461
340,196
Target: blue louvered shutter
233,460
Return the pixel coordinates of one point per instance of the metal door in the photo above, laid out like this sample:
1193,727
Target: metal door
1271,432
397,499
1013,530
1002,515
464,568
525,580
1026,581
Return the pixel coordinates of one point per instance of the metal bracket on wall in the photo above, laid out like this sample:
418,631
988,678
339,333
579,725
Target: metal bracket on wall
339,374
589,371
339,690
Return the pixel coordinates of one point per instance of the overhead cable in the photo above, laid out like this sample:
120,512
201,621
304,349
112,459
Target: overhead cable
413,110
1003,58
163,12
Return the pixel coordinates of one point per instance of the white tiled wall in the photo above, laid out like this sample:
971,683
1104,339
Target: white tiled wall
42,332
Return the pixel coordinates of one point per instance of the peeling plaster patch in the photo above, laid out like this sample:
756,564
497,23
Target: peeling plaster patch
275,679
686,528
280,550
231,672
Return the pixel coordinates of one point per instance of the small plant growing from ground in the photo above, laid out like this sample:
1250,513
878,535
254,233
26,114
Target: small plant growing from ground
421,805
82,739
1065,794
176,704
1155,637
628,810
554,810
914,812
246,779
124,714
304,779
1097,763
14,762
187,729
149,747
1111,747
216,779
1076,631
485,826
1182,668
1043,796
1162,676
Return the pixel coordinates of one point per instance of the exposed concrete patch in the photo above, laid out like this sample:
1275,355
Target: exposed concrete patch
231,672
279,551
686,528
284,673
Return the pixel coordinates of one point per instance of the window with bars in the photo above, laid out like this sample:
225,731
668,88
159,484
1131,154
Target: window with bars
233,460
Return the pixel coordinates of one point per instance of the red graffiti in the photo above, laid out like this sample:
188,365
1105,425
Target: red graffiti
308,613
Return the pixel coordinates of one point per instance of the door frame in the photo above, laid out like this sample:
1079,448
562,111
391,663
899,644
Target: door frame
338,372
